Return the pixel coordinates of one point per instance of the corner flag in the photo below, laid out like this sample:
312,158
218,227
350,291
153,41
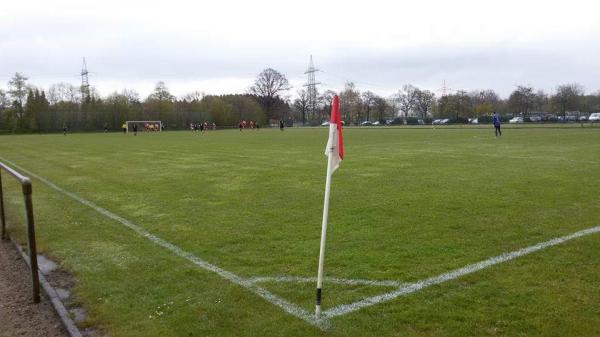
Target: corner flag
335,153
335,143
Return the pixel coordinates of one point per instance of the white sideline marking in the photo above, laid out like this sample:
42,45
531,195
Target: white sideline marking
294,309
410,288
265,294
298,279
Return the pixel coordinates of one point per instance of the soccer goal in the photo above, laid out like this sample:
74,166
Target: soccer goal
148,126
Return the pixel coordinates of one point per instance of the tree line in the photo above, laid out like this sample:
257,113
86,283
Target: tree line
26,108
411,102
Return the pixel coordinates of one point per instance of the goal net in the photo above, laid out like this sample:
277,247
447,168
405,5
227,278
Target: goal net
147,126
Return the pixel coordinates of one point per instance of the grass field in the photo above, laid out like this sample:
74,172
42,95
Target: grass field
407,205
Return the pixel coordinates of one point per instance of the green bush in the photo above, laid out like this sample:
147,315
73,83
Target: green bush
398,121
485,120
412,121
459,120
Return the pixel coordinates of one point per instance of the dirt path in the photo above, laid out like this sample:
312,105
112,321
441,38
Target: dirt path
19,316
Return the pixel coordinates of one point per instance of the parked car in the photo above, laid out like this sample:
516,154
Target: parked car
583,118
376,123
595,117
440,121
389,121
325,124
516,120
535,119
474,120
366,123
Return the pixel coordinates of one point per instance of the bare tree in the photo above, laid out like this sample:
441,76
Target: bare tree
382,107
484,101
194,96
541,100
350,103
270,83
463,104
161,93
522,99
368,99
267,87
63,92
301,104
407,97
423,102
327,99
567,96
132,95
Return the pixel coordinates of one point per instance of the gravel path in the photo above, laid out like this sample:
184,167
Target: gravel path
19,316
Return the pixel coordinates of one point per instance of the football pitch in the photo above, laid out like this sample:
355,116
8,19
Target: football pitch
432,232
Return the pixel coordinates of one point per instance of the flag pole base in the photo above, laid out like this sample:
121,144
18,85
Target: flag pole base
318,306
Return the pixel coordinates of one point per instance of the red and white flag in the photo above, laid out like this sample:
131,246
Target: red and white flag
335,153
335,143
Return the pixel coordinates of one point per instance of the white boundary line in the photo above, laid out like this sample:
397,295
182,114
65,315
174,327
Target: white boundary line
295,310
288,307
298,279
407,289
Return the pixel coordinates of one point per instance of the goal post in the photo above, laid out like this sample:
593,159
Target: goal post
145,125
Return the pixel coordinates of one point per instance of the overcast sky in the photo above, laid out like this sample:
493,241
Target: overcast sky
220,46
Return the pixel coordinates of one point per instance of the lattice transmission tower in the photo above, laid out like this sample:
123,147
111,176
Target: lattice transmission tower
444,90
311,88
85,83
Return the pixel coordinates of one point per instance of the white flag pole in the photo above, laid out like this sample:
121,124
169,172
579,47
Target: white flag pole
323,232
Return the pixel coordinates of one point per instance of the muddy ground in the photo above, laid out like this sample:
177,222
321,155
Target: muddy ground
19,316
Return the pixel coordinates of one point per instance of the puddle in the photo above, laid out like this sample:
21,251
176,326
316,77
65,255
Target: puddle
45,265
63,294
78,314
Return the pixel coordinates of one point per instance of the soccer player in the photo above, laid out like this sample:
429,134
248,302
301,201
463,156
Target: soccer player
135,129
281,124
496,121
124,127
65,129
